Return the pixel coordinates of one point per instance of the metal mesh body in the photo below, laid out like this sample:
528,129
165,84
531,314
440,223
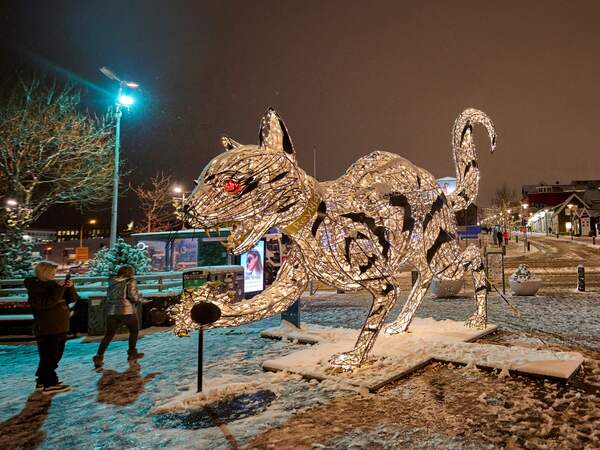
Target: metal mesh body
356,232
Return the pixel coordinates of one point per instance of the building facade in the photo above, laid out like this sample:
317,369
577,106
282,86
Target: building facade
39,236
71,233
559,219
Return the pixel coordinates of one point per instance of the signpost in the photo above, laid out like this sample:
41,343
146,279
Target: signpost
82,253
233,276
495,266
193,278
203,313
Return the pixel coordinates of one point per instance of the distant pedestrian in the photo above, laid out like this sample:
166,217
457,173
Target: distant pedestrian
121,301
49,303
499,238
506,237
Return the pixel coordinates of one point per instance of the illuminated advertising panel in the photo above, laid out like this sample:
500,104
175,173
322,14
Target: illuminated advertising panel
253,263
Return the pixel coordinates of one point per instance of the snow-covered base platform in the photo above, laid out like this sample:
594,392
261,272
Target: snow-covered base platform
306,334
394,357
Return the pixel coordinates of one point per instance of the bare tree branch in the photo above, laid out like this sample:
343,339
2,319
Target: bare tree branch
156,204
504,195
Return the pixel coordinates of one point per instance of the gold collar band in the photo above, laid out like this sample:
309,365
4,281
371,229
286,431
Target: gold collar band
309,211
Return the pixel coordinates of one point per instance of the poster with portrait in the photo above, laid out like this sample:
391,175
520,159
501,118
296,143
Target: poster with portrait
253,263
448,184
157,253
185,253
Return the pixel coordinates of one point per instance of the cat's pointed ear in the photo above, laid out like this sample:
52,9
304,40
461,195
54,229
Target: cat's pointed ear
229,144
273,133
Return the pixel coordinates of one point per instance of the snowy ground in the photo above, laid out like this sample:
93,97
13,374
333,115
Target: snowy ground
438,407
121,407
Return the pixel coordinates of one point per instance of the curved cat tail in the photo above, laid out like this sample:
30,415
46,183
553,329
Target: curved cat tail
465,156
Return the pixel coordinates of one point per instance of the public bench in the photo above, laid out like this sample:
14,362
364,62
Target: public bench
14,308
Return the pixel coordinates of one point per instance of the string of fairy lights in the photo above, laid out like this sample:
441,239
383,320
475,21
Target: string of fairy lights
355,232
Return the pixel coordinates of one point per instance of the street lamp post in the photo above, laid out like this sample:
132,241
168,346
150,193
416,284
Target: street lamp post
91,222
575,222
524,221
122,101
115,195
179,190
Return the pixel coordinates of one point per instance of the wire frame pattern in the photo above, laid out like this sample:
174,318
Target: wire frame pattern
356,232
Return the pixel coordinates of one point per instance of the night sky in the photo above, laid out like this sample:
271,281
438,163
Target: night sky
347,77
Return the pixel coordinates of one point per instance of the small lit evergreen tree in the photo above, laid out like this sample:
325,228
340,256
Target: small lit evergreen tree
109,260
16,256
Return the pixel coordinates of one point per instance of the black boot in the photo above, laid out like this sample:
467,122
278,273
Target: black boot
134,354
98,361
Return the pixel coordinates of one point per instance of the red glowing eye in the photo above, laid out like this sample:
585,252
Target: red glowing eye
232,186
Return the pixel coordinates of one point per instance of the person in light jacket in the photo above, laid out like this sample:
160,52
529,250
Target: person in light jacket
121,301
49,301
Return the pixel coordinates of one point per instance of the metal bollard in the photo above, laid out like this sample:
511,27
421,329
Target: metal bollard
312,287
414,275
594,240
581,278
528,246
516,239
203,313
292,314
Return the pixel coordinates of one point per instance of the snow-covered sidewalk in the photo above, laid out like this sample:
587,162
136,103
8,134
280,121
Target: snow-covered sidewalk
582,240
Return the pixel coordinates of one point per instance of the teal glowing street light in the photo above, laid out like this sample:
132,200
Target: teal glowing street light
126,100
123,101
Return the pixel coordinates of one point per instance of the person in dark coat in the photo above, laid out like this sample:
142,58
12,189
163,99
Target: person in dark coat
49,304
499,237
121,300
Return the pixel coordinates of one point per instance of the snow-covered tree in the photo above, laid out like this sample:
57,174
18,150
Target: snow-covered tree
16,257
109,260
15,252
51,152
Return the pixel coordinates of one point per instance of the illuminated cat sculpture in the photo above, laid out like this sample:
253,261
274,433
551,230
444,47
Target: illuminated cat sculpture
356,232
